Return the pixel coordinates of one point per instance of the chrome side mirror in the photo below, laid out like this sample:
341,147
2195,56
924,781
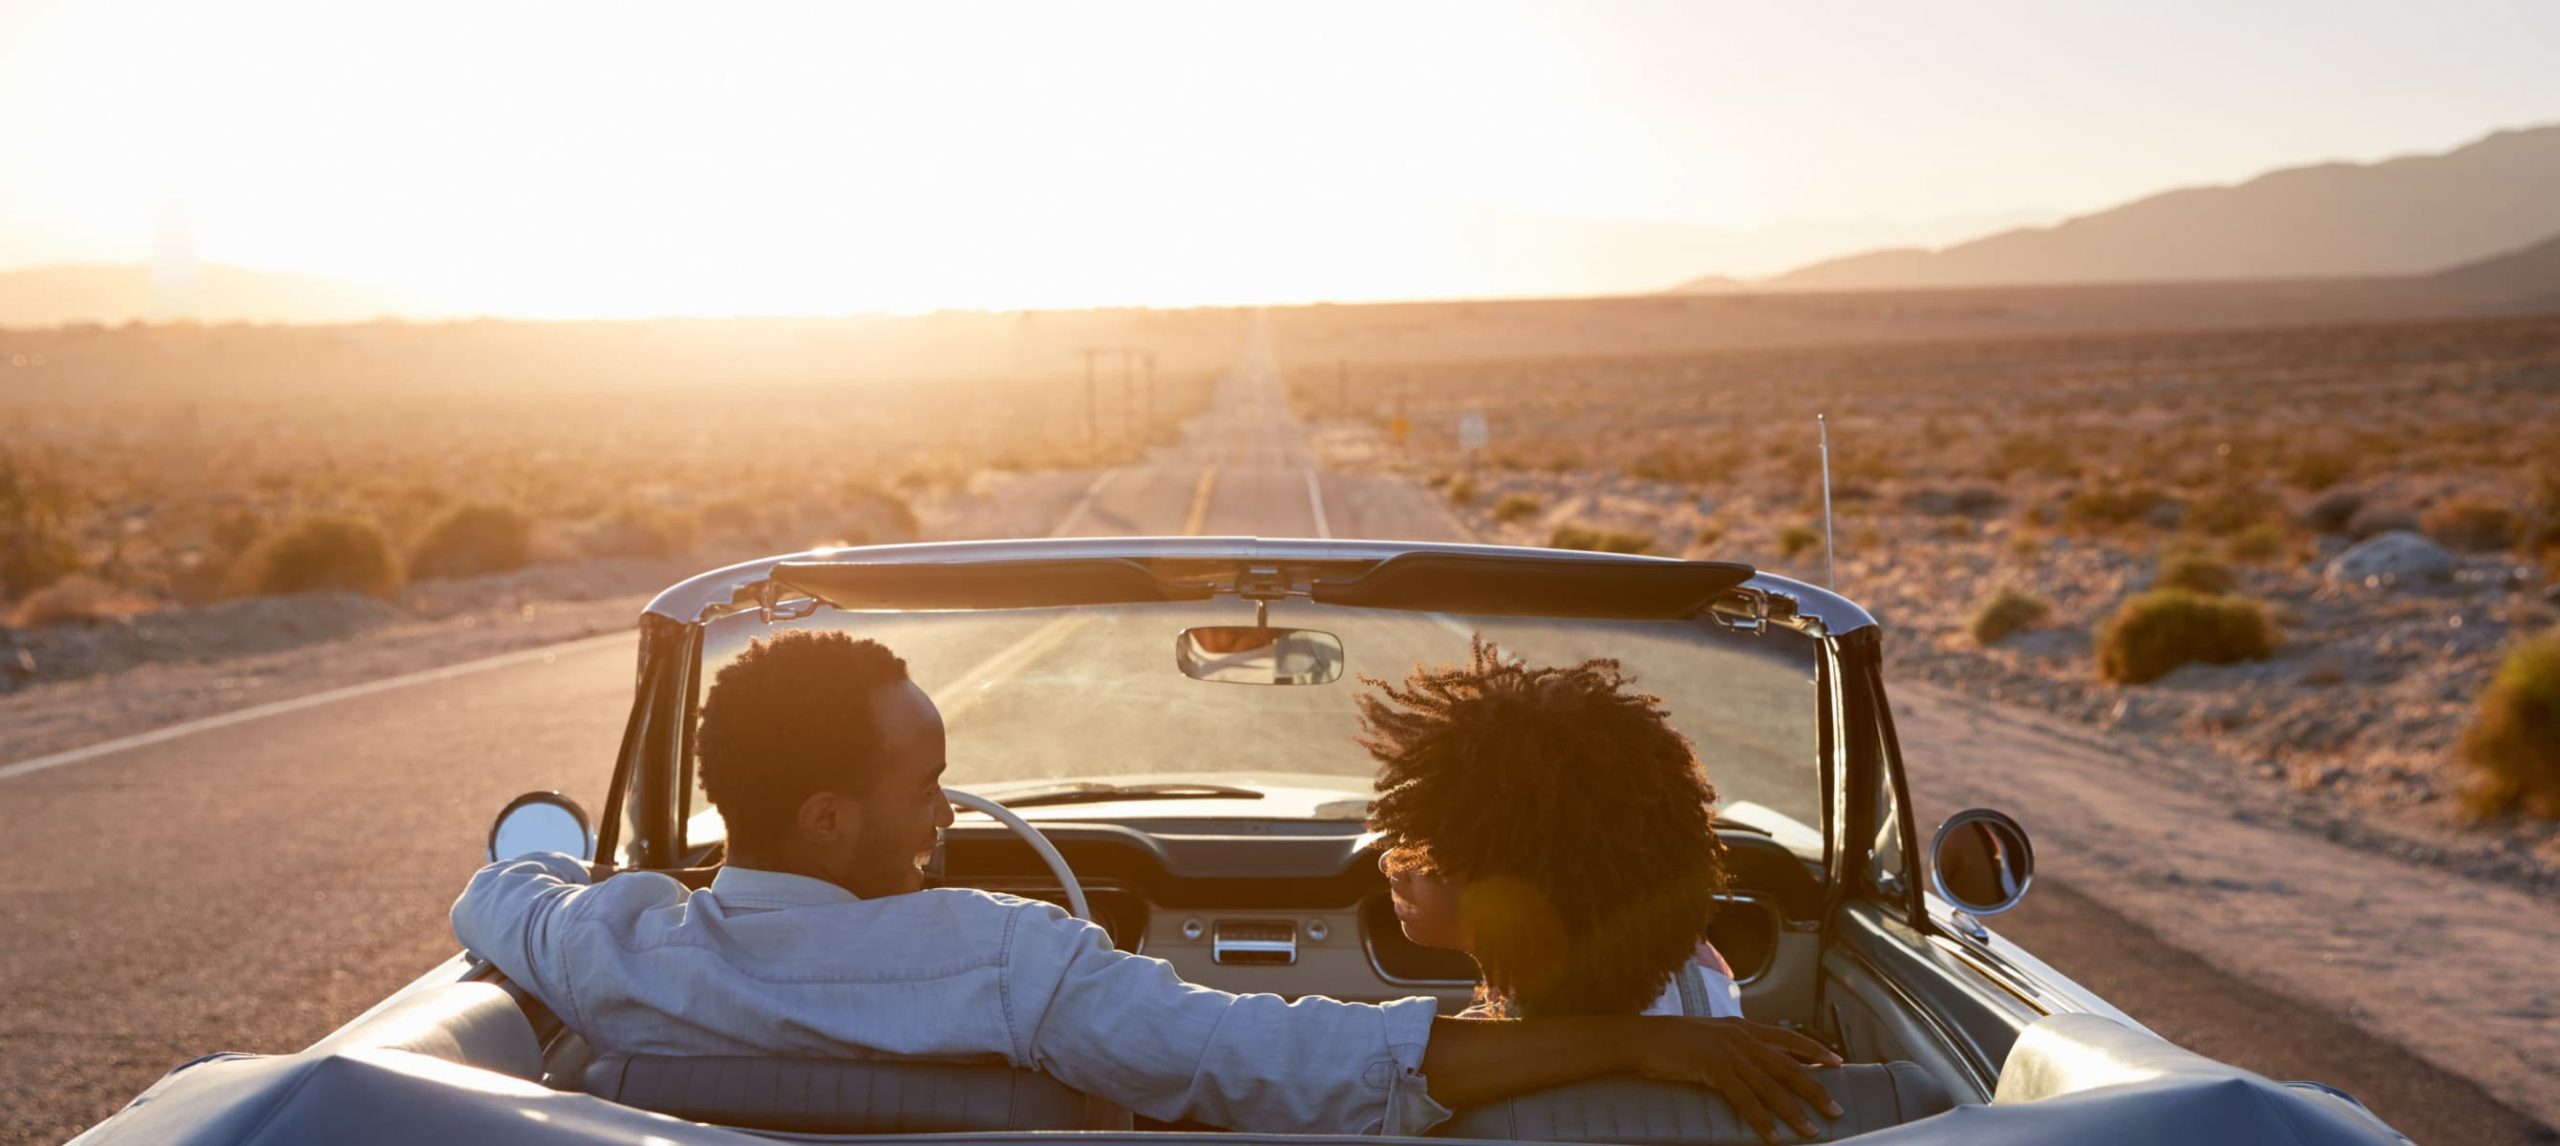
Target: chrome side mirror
541,822
1981,861
1252,654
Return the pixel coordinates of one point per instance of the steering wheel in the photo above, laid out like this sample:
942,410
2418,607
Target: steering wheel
1066,876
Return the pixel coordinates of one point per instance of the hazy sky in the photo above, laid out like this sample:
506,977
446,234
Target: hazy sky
565,159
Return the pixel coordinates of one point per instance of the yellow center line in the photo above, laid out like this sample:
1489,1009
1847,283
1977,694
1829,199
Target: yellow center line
1200,500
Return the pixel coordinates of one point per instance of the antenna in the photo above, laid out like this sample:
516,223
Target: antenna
1830,563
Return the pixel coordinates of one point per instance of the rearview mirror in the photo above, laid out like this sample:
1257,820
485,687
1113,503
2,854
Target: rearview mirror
541,822
1981,861
1251,654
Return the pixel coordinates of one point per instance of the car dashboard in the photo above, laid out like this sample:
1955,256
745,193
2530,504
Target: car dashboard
1297,907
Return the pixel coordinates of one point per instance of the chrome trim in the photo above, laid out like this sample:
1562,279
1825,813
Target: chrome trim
1254,942
734,587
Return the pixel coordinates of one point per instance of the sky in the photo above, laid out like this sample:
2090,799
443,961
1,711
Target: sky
574,159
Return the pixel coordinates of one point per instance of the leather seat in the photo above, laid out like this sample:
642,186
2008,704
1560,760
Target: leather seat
1640,1112
840,1096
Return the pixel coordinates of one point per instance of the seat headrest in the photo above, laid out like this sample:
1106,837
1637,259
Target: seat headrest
848,1096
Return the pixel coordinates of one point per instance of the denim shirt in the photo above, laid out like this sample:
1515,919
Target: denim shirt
764,963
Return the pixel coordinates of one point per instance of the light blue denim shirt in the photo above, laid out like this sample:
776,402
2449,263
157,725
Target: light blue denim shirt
764,963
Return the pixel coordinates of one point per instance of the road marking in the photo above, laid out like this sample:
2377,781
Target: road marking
313,700
1005,663
1084,505
1199,515
1315,500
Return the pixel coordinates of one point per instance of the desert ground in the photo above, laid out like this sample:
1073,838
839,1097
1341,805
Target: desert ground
2071,449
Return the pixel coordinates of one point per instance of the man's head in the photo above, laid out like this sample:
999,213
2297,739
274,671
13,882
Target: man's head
826,761
1548,821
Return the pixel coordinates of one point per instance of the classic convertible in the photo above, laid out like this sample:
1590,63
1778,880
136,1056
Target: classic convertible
1206,808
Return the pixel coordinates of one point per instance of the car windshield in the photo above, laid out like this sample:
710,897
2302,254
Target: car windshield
1094,692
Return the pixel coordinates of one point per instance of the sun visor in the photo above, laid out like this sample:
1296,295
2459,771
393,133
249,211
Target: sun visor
995,585
1507,586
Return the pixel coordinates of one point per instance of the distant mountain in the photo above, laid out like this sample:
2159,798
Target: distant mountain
2526,280
2406,216
50,296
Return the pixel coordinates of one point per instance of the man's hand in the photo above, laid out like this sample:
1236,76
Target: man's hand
1757,1067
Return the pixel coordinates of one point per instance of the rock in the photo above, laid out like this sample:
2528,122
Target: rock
2393,558
2334,512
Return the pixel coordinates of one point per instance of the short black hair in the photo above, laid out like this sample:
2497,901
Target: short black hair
781,723
1578,815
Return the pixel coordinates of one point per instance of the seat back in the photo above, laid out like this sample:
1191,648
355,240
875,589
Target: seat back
848,1096
1640,1112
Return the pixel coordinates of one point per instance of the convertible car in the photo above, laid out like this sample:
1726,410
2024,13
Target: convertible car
1156,733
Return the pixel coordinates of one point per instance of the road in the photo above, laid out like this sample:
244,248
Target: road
249,887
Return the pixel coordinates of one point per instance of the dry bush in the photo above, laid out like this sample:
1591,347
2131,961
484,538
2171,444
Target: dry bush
1516,507
2008,611
1574,535
2230,509
2156,632
1710,534
643,531
1671,463
2195,573
35,547
2316,470
75,597
2473,524
1460,489
2108,507
474,539
1795,539
2334,512
2260,544
2515,744
322,554
2031,453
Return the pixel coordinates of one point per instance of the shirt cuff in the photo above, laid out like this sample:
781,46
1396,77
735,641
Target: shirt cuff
1410,1108
561,865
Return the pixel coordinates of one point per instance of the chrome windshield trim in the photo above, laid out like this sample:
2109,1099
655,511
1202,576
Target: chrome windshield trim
735,587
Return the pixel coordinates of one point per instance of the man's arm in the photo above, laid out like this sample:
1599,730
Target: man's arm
1758,1068
506,910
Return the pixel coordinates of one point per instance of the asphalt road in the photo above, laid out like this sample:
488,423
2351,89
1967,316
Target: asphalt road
252,886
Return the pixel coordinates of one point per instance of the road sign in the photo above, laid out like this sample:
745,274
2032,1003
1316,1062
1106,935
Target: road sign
1471,431
1398,428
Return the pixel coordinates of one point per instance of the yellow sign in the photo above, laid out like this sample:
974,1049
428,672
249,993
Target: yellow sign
1398,429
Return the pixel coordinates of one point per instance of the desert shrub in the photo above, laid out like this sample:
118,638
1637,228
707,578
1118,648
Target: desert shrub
2258,545
2030,452
2230,509
1461,490
75,597
1957,528
1710,534
2156,632
2334,512
2195,573
644,531
2546,489
1678,464
322,554
1795,539
1575,535
2106,507
35,543
2008,611
2316,470
882,515
2472,525
473,539
2515,743
1516,507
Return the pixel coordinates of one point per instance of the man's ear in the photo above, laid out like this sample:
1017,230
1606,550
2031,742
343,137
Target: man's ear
824,818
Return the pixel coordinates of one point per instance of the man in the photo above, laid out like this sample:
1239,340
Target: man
817,939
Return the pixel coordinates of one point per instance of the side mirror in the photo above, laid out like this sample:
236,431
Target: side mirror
541,822
1981,861
1251,654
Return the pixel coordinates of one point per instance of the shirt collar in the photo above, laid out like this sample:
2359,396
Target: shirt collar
753,887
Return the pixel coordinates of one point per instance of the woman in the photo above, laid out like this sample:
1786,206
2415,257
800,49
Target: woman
1553,825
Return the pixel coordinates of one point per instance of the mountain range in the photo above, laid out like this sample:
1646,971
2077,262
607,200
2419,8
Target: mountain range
2407,216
